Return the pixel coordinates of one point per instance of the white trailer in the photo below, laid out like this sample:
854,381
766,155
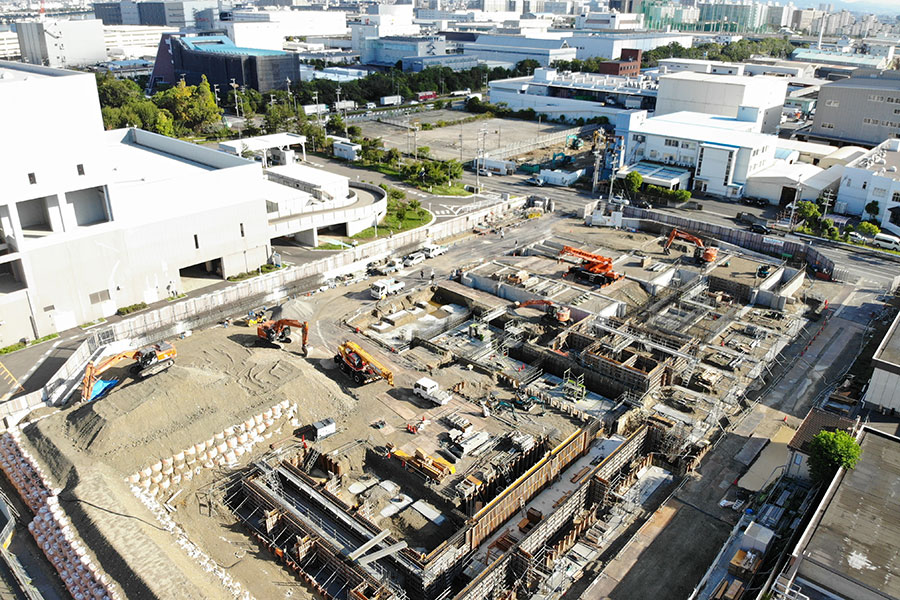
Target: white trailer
343,105
315,109
391,100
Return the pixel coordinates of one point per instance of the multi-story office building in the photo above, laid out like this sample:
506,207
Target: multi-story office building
722,153
57,43
750,16
117,13
863,109
874,177
267,29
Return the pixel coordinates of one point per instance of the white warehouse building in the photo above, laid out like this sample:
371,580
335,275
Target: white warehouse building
723,153
725,95
94,220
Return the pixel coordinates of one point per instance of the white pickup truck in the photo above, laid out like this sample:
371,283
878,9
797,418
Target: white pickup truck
431,391
386,287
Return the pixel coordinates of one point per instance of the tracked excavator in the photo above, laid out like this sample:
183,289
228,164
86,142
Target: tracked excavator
560,315
279,332
702,252
594,269
359,365
148,361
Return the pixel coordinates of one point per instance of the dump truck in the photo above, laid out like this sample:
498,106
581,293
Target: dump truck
386,287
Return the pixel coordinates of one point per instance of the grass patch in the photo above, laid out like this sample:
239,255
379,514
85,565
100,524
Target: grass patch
12,348
243,276
173,298
449,190
131,308
391,223
330,246
92,323
46,338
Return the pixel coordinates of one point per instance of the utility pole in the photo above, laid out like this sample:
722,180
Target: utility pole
216,93
316,108
416,139
460,142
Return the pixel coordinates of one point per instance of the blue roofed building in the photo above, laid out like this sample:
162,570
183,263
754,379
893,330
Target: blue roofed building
842,59
217,57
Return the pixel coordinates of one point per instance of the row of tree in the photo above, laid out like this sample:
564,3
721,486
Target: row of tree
739,51
177,111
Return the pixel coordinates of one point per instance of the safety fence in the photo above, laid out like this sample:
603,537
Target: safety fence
764,244
541,141
193,313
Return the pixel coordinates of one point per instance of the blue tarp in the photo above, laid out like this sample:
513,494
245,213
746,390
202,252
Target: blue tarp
101,387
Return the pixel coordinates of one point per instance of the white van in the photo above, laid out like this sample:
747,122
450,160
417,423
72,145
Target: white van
883,240
432,250
414,259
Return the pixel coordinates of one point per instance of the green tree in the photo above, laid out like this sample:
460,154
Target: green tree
277,117
808,211
423,151
454,169
400,211
117,92
164,124
396,194
392,157
829,451
868,229
633,183
354,132
335,124
202,109
872,208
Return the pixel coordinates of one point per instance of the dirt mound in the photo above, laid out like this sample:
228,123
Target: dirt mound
299,309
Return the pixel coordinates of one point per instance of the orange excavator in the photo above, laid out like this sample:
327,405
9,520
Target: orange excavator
595,269
148,361
702,253
561,315
279,332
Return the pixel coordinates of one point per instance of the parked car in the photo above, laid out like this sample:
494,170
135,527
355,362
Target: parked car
759,228
619,200
642,204
858,237
484,172
414,259
537,181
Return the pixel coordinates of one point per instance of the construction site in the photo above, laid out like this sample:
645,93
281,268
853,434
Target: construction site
482,434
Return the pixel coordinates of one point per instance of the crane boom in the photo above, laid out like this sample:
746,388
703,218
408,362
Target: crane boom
369,360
